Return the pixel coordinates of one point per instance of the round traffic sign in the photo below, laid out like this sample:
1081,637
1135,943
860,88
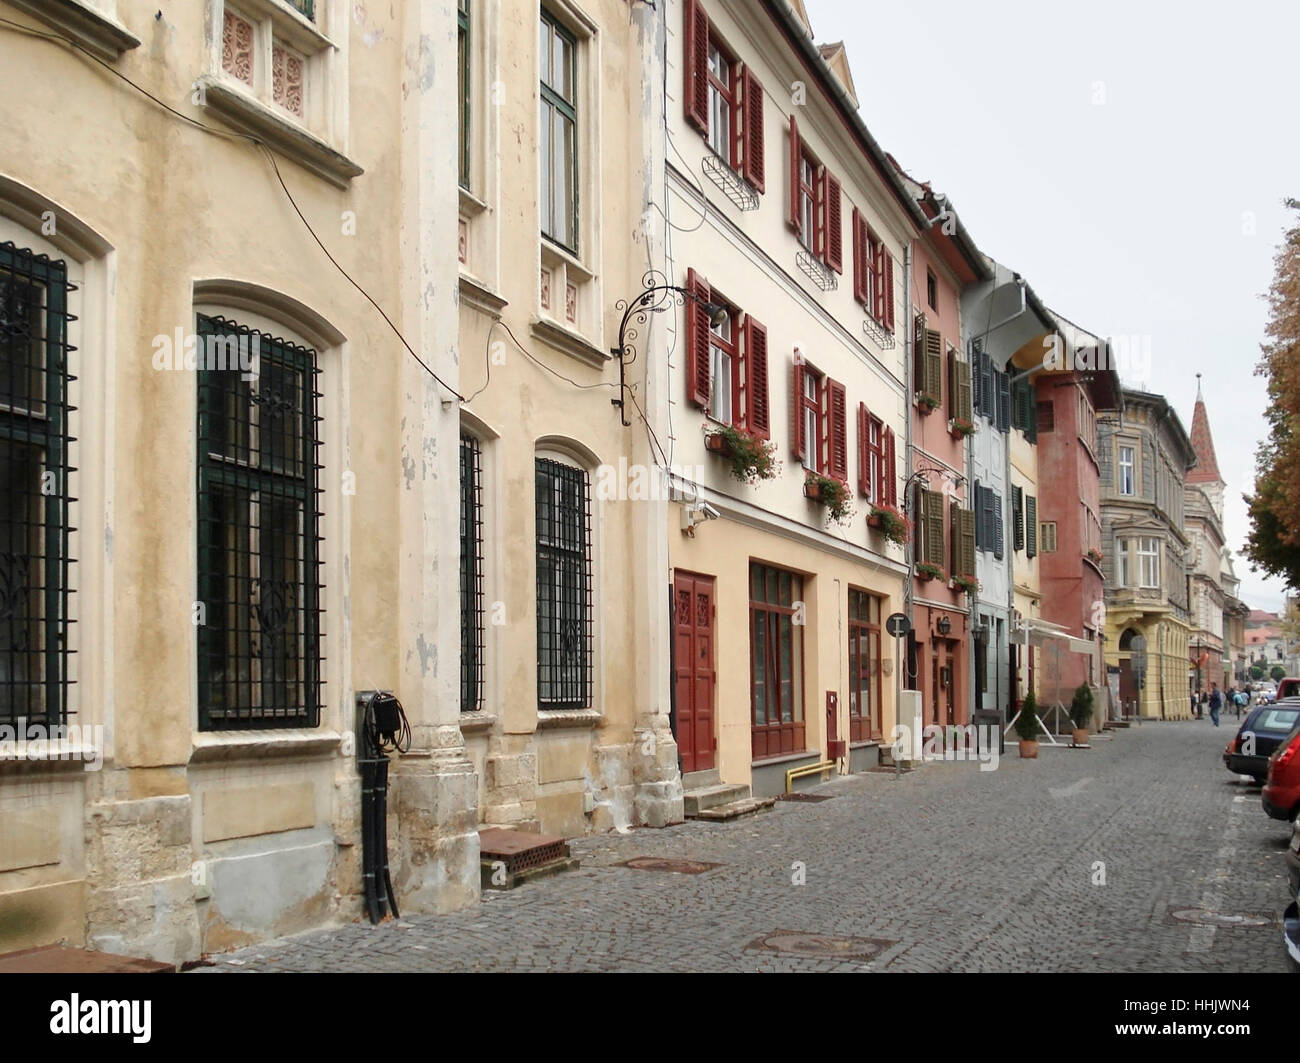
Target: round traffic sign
897,625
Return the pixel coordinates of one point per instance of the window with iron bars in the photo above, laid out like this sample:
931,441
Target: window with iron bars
259,513
35,650
564,609
471,576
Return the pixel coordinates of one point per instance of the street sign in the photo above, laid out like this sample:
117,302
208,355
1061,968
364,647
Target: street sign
1138,644
897,625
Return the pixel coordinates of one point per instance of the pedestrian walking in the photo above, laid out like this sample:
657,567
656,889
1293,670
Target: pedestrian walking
1216,703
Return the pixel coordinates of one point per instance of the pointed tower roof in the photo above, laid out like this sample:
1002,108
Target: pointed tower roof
1206,469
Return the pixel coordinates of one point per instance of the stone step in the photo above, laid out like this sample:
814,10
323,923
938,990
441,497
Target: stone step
697,780
706,797
746,806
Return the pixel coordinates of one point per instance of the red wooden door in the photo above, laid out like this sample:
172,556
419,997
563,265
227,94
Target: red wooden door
695,675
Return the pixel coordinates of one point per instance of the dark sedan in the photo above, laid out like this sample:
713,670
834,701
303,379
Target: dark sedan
1262,731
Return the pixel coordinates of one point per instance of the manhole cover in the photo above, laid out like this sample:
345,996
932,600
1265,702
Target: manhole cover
1202,917
814,798
821,946
662,863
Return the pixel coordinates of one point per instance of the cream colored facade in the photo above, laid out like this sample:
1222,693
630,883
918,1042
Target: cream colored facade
185,839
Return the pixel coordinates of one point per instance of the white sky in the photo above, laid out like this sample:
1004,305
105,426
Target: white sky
1115,154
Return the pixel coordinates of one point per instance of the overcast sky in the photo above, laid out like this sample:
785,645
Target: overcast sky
1128,158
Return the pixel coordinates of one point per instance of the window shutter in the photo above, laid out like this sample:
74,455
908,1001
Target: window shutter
997,525
976,355
986,530
696,64
758,411
697,342
752,103
1017,518
793,219
1004,402
933,508
934,364
988,388
1031,512
837,458
797,442
859,259
1031,412
891,473
889,289
834,237
963,399
954,538
864,452
967,532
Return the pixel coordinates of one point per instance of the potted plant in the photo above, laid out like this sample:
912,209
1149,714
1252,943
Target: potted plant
1027,727
960,428
1094,555
1081,714
969,584
926,571
752,458
926,403
831,493
892,524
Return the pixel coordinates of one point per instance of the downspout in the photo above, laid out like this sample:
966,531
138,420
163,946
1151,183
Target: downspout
910,460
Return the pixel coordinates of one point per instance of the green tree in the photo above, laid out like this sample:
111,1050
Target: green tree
1256,672
1273,543
1277,673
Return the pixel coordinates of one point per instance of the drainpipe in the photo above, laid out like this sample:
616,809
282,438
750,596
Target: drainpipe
909,462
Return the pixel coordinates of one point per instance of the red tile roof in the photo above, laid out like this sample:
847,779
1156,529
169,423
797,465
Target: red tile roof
1206,469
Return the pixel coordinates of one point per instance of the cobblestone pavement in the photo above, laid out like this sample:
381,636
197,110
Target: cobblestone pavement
947,869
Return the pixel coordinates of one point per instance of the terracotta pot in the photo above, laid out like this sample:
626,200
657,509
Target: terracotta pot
1029,748
1081,737
874,522
812,490
718,444
924,576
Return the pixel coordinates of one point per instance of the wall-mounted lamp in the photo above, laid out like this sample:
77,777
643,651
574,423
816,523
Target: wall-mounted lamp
657,295
943,626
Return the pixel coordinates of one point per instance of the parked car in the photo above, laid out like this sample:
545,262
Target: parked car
1281,794
1261,732
1293,860
1288,688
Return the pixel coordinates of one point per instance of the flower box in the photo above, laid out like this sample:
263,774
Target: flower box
752,458
926,403
960,428
831,493
926,572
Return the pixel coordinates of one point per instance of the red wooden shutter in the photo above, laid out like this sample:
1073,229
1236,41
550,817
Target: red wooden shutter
758,414
837,458
751,100
891,472
696,64
864,449
889,288
795,154
859,259
877,294
697,340
834,238
797,442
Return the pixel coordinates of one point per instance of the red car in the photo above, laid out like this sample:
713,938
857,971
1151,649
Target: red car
1281,795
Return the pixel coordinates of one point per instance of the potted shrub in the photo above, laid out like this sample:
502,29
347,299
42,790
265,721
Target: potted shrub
752,459
960,428
1094,555
926,403
1027,727
831,493
1081,714
892,524
969,584
926,571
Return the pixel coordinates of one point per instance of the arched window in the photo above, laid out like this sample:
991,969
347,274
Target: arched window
564,583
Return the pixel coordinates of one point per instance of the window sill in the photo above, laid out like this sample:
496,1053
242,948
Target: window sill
556,719
250,115
212,747
470,205
104,36
474,722
480,297
558,254
783,758
291,24
568,341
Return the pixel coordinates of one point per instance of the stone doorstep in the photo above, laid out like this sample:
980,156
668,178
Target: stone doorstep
706,797
734,809
64,959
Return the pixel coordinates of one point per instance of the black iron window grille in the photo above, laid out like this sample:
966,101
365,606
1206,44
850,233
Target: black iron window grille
471,575
564,620
35,500
259,518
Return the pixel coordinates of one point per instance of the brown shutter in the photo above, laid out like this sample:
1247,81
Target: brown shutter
954,537
864,449
932,506
891,472
837,458
933,364
967,552
834,237
963,393
758,413
751,93
697,340
797,442
696,64
859,259
793,219
888,321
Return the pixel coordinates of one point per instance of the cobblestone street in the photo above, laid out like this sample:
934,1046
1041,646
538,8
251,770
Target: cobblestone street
946,869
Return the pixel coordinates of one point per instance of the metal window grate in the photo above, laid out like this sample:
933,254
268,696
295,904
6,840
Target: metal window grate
35,477
259,515
471,575
564,620
305,7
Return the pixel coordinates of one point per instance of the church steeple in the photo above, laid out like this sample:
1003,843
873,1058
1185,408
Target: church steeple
1205,473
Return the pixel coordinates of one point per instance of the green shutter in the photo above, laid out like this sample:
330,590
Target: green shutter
1017,518
966,530
932,505
963,402
1031,512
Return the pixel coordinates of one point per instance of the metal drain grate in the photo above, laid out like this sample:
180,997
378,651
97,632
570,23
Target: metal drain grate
820,946
1204,917
663,863
810,798
521,850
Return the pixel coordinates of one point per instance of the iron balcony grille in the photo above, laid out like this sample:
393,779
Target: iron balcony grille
564,620
471,576
35,480
259,640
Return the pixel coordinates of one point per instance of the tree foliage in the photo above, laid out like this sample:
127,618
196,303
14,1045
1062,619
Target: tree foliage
1273,544
1277,673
